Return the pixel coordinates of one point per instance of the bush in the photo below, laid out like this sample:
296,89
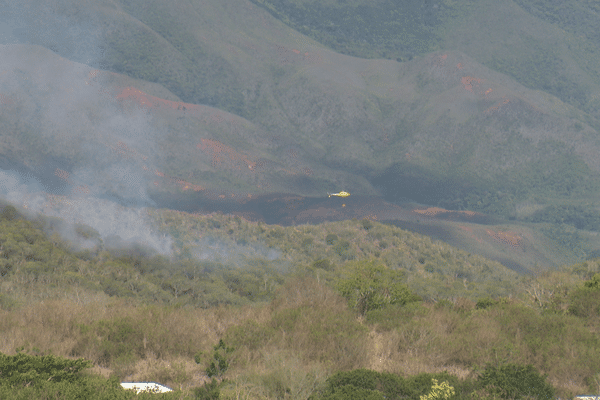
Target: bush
323,264
250,334
584,303
420,385
482,304
331,238
439,391
9,213
363,384
220,363
210,391
369,285
24,370
514,382
593,283
342,248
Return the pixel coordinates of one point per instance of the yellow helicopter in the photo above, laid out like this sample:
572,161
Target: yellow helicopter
340,194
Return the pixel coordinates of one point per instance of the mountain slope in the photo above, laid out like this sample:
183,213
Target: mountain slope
214,101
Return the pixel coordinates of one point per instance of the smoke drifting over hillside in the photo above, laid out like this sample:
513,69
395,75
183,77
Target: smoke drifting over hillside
72,34
74,152
216,250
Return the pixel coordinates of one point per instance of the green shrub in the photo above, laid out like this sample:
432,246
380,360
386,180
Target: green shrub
366,224
482,304
9,213
584,303
323,264
342,248
277,233
23,369
368,285
210,391
220,363
593,283
515,382
117,339
89,388
439,391
363,384
331,238
350,392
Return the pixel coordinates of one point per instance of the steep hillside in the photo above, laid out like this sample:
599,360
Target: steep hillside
173,103
549,46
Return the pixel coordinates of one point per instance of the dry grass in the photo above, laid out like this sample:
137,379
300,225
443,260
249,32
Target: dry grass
306,333
170,336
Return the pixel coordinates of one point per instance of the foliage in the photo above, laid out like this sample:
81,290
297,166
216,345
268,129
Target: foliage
365,29
368,285
220,362
439,391
584,302
484,303
594,283
343,249
251,335
23,370
362,383
27,376
513,381
568,239
581,217
9,213
137,50
331,238
209,391
323,263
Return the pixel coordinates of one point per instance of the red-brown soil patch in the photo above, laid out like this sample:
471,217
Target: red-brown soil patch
221,153
435,211
510,238
150,102
468,82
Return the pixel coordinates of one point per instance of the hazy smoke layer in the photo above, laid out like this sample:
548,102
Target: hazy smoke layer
68,112
212,249
111,220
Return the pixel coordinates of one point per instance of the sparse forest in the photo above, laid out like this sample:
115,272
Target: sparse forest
387,314
490,108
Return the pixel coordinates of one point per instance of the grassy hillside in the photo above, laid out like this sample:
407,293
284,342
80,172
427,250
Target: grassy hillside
220,259
479,124
291,307
487,106
560,40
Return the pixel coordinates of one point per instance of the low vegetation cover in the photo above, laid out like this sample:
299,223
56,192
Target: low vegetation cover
220,259
29,376
292,324
24,376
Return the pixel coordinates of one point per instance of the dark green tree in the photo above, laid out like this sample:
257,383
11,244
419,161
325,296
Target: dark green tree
220,362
